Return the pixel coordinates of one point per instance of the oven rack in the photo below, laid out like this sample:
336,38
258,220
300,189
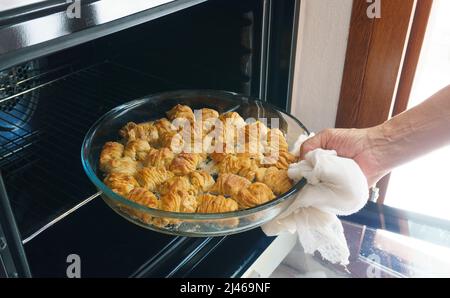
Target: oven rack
40,159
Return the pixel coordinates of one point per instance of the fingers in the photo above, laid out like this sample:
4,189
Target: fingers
310,145
319,141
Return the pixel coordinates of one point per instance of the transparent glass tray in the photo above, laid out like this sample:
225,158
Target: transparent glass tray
154,107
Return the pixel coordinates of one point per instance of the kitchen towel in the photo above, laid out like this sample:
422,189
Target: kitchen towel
336,187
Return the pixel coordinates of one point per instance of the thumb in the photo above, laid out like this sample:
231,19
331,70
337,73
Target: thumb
310,145
319,141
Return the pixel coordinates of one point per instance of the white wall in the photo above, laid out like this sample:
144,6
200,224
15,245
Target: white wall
321,48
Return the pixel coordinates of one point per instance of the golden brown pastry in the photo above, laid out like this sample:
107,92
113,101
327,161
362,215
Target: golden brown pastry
233,118
201,181
208,114
124,165
233,164
276,141
172,140
250,150
137,149
221,150
256,194
151,177
189,203
110,151
143,131
248,173
280,160
208,120
177,183
160,158
239,165
255,132
229,184
226,135
276,179
121,184
179,201
171,201
192,139
170,158
208,203
185,163
252,141
164,126
207,143
230,129
218,156
142,197
181,112
188,141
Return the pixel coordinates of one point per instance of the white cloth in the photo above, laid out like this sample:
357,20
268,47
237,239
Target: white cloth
336,186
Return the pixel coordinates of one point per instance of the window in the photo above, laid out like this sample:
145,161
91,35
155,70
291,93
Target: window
422,185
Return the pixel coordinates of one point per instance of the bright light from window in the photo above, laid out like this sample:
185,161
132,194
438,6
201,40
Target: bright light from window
423,185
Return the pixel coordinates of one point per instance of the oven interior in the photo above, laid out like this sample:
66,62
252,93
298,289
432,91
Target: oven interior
48,104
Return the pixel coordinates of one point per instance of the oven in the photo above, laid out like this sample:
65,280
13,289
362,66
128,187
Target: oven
63,64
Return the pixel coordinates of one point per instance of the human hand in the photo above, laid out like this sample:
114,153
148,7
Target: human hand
357,144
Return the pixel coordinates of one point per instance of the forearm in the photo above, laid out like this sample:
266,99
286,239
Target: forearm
415,132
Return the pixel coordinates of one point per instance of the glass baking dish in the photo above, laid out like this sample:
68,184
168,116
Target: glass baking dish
153,107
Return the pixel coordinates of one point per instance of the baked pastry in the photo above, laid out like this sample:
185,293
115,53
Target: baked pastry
123,165
280,160
256,194
276,141
160,158
143,131
208,203
163,126
278,180
110,151
181,112
232,118
172,140
208,114
151,177
176,201
240,165
221,150
229,129
191,140
179,201
229,184
137,149
185,163
121,184
176,163
177,183
255,132
142,197
201,181
207,118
